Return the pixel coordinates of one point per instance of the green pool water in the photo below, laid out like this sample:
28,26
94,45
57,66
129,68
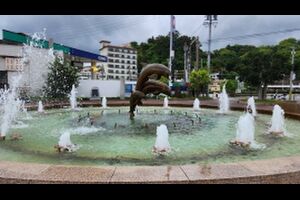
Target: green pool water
114,139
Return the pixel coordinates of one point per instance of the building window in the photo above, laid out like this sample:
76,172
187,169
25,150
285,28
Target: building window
133,62
117,66
111,66
110,49
117,71
133,57
122,61
122,72
110,60
117,77
117,55
111,55
122,56
128,56
128,62
110,71
123,67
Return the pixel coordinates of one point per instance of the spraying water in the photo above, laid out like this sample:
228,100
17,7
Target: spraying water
162,140
196,104
223,101
104,102
251,104
72,98
33,57
11,106
166,102
277,121
40,107
65,142
245,132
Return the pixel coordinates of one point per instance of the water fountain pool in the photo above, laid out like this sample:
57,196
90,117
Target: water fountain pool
131,141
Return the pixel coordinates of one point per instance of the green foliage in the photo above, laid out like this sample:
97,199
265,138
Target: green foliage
164,80
60,79
156,50
231,86
199,80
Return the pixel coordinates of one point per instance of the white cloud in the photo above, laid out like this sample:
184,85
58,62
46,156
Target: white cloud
85,32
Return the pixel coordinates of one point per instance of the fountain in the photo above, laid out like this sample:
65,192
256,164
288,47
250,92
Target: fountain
251,104
65,143
104,102
31,54
11,107
277,122
166,102
40,107
223,101
145,85
162,140
196,105
72,98
245,132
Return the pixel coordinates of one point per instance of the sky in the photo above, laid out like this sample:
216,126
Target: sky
85,31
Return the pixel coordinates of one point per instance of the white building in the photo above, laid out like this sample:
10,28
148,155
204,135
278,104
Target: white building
34,71
122,61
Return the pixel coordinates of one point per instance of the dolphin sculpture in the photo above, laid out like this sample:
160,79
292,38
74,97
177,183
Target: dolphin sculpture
148,83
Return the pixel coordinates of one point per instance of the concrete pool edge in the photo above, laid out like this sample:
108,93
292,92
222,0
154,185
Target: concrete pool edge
277,170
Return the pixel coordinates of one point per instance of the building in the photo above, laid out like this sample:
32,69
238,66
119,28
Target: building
122,61
35,70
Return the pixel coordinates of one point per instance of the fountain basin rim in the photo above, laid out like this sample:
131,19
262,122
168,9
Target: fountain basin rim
276,170
184,104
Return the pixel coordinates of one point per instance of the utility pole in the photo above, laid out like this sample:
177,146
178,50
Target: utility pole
197,54
185,48
209,21
293,52
172,28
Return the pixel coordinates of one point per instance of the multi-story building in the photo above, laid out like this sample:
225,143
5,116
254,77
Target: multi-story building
122,61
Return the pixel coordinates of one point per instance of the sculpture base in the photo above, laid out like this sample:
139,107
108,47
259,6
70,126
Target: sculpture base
239,144
278,134
160,151
61,149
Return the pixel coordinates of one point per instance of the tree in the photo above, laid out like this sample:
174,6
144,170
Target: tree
231,86
260,68
199,80
62,75
156,50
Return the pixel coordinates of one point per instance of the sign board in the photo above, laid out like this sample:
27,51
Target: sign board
13,64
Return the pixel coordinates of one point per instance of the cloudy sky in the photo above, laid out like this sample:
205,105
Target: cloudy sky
85,32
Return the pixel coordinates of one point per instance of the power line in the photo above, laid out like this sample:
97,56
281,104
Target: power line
241,37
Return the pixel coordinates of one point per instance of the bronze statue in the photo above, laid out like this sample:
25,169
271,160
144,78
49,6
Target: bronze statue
148,83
